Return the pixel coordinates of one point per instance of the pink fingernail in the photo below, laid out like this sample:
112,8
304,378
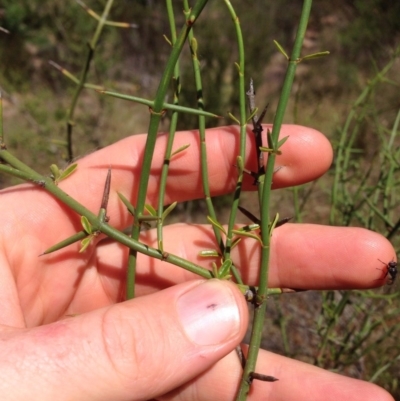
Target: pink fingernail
209,313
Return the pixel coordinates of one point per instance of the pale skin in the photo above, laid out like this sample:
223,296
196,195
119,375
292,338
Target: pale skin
138,349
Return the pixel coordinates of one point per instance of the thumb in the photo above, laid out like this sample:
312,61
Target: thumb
135,350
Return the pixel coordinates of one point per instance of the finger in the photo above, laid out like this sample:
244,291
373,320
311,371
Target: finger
323,257
305,256
296,381
86,185
184,182
135,350
46,215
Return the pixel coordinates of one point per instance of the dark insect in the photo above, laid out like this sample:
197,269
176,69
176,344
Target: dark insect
391,271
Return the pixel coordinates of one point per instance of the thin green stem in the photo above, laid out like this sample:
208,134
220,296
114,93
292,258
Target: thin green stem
156,114
296,204
98,222
10,159
171,135
345,148
330,324
265,190
242,137
283,325
91,49
201,125
203,146
166,106
100,25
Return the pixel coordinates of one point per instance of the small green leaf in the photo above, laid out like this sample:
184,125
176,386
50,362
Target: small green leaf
168,210
167,40
240,165
315,55
55,172
225,269
85,243
68,171
150,209
269,150
254,112
234,118
57,175
209,253
216,224
129,206
249,235
273,224
214,270
238,67
280,48
86,225
235,242
179,150
193,45
282,141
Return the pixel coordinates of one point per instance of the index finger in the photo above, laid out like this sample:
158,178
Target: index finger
184,180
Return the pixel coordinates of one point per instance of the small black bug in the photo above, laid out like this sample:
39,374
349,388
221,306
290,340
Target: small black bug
391,270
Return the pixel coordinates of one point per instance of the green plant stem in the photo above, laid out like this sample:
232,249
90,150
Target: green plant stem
265,189
96,221
296,204
91,49
344,149
156,114
203,147
202,132
283,325
242,138
10,159
335,311
171,134
166,106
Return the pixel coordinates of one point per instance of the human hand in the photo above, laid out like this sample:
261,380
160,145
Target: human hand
174,341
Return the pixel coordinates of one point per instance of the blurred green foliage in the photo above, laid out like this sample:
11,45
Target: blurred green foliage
59,30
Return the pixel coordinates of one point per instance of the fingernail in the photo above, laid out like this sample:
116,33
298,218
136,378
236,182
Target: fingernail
209,313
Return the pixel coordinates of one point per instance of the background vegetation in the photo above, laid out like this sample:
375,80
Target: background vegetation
341,95
358,34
